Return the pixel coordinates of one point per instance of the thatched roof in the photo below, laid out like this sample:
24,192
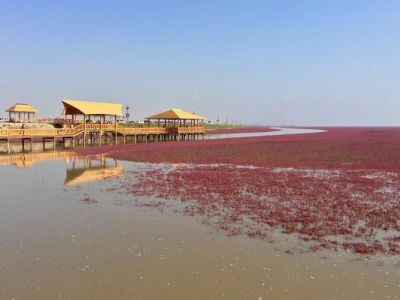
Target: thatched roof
176,114
23,108
74,107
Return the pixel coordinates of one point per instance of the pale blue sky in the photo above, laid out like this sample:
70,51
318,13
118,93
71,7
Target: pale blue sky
268,62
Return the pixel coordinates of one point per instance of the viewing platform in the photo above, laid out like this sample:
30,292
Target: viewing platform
96,123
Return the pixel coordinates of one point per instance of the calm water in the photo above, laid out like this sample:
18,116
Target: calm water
279,131
66,233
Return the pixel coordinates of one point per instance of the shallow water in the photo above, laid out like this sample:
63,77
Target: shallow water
65,233
279,131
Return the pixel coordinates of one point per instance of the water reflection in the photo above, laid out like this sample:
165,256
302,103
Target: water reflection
89,170
79,169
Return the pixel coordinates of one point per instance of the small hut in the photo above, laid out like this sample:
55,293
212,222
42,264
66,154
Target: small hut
176,117
21,112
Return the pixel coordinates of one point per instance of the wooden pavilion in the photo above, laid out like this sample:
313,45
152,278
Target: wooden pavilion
176,117
94,117
181,124
21,112
82,111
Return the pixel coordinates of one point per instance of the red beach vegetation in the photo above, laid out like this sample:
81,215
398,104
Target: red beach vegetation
338,189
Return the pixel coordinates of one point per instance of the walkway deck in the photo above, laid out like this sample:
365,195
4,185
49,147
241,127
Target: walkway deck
82,132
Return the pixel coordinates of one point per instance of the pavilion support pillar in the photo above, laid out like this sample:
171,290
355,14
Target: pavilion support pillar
84,130
101,127
115,129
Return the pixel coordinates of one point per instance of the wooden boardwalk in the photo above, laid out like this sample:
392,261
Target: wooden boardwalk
84,133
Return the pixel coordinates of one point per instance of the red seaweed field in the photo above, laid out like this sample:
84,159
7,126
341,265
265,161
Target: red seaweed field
338,189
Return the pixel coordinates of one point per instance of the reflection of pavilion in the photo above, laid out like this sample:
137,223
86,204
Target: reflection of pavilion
25,160
89,170
79,169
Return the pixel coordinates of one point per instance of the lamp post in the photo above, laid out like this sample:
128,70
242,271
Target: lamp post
127,115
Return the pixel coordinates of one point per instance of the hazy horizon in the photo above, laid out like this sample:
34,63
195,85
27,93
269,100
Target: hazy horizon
310,63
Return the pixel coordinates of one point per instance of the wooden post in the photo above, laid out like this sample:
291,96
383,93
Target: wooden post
116,128
101,125
84,130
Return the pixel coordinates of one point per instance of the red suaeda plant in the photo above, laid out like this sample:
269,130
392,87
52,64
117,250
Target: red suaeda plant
338,189
349,148
323,209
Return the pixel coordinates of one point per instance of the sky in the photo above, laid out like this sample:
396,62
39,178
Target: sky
282,62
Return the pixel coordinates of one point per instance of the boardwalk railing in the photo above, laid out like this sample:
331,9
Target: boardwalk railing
143,130
183,130
79,129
